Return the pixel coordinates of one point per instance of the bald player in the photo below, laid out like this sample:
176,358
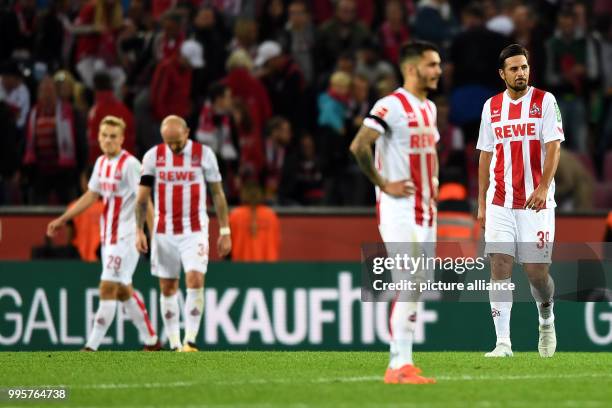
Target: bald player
177,171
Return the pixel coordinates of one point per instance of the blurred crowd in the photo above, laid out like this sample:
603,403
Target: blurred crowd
278,88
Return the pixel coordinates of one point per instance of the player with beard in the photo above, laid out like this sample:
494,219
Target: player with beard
519,142
404,169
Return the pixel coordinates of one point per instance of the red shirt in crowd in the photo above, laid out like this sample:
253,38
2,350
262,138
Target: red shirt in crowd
106,104
171,89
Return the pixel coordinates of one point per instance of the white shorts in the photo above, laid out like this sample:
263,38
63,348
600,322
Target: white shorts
169,251
524,234
409,239
119,261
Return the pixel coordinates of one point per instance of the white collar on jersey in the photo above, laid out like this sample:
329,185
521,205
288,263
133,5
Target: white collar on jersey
507,96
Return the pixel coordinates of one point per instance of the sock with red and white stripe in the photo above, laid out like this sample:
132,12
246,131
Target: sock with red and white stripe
501,309
170,310
135,310
104,317
402,326
194,309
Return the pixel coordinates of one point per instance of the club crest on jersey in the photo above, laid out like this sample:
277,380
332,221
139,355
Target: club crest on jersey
535,110
161,161
117,174
381,112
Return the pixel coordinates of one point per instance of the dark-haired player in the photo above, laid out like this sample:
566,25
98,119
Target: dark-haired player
404,169
519,142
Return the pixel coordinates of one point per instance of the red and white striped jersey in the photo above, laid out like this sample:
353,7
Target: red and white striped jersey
116,180
516,132
180,188
406,150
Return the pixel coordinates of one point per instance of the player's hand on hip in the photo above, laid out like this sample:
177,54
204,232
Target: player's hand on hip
141,242
537,199
482,215
53,226
224,245
400,188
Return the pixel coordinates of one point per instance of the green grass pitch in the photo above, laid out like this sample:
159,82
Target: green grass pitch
308,379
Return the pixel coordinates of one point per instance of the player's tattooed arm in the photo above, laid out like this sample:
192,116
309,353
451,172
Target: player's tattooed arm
224,243
142,203
361,147
220,203
143,199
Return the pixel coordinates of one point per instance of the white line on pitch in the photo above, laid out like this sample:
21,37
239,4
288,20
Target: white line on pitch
179,384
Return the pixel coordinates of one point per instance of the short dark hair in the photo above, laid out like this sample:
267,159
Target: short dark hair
216,90
511,51
102,81
416,49
274,123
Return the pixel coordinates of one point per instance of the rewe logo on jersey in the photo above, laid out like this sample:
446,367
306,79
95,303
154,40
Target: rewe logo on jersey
177,175
520,129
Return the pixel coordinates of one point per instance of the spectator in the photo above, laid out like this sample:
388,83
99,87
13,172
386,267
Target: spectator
97,27
498,16
85,227
370,65
247,87
605,141
333,102
273,20
9,156
334,141
217,130
298,39
393,32
255,228
14,93
530,34
167,43
284,82
171,85
52,36
304,176
360,102
250,141
50,147
472,84
26,16
571,64
209,32
340,34
573,183
435,22
277,139
107,104
245,36
71,93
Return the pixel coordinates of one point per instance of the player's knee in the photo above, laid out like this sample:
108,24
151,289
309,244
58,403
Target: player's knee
194,280
168,287
108,290
501,266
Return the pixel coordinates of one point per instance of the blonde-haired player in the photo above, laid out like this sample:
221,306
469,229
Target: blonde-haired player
115,178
